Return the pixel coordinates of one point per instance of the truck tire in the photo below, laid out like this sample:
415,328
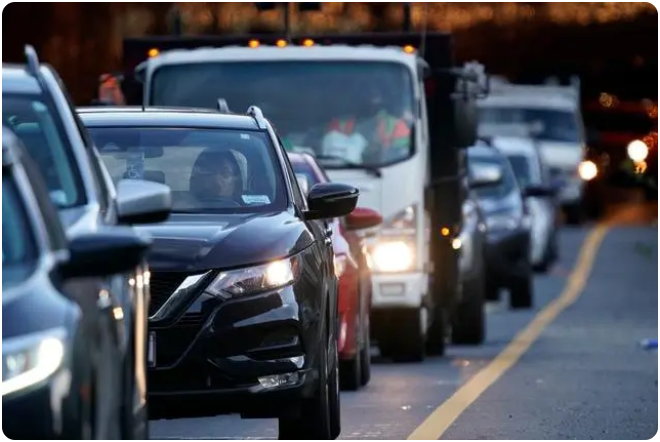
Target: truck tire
469,326
405,342
436,343
522,293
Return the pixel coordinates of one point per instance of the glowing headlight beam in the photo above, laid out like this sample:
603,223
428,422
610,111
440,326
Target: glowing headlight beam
394,256
637,151
587,170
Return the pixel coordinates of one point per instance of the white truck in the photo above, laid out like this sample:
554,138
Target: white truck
554,111
302,88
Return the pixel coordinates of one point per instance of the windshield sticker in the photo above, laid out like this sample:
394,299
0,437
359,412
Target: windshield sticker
256,199
245,137
135,165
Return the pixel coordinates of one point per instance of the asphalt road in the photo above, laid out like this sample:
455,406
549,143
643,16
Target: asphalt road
574,370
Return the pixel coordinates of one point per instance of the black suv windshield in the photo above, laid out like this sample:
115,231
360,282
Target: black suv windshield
19,251
208,170
31,119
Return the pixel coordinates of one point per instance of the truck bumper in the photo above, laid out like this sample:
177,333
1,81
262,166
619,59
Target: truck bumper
398,290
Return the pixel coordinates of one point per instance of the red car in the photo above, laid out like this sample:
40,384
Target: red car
352,268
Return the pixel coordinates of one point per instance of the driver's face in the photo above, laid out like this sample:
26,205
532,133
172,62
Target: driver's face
226,179
219,179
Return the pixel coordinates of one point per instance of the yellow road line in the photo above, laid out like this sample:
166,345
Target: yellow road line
437,423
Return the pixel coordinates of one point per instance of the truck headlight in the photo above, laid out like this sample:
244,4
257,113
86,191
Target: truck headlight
393,256
254,280
28,360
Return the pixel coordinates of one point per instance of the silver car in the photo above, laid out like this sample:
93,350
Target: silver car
36,107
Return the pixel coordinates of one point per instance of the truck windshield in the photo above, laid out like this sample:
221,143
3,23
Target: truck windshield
349,113
557,125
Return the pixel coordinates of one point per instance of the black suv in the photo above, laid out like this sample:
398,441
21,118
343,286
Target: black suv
244,293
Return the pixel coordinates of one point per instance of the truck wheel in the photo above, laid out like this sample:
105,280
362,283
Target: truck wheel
407,341
470,324
521,293
436,344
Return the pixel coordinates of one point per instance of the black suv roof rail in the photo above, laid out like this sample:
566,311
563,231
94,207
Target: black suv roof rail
258,116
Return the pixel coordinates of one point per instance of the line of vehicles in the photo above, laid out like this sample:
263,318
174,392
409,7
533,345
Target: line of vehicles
172,258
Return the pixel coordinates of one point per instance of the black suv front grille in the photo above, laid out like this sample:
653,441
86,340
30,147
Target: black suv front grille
162,285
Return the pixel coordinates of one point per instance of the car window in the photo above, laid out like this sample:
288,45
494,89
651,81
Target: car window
41,131
208,170
556,124
19,250
524,170
508,183
54,230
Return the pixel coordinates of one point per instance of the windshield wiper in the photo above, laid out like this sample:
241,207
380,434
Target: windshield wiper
351,165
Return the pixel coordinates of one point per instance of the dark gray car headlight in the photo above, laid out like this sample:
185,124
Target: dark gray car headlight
254,280
30,359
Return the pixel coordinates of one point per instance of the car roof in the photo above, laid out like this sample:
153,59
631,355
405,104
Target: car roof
16,79
515,146
481,150
160,117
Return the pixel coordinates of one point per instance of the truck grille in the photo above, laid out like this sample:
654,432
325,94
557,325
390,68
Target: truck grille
162,285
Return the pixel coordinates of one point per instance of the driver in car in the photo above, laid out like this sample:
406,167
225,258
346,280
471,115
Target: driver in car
216,176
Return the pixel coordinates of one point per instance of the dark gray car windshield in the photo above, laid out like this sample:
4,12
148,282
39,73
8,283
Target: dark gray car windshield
558,125
368,121
41,131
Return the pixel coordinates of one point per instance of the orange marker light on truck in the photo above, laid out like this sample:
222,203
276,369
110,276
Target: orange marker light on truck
253,43
281,43
308,42
408,49
153,52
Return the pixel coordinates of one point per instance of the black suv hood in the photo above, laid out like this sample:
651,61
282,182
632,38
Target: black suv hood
190,243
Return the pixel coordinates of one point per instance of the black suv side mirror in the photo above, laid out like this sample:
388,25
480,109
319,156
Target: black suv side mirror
331,200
